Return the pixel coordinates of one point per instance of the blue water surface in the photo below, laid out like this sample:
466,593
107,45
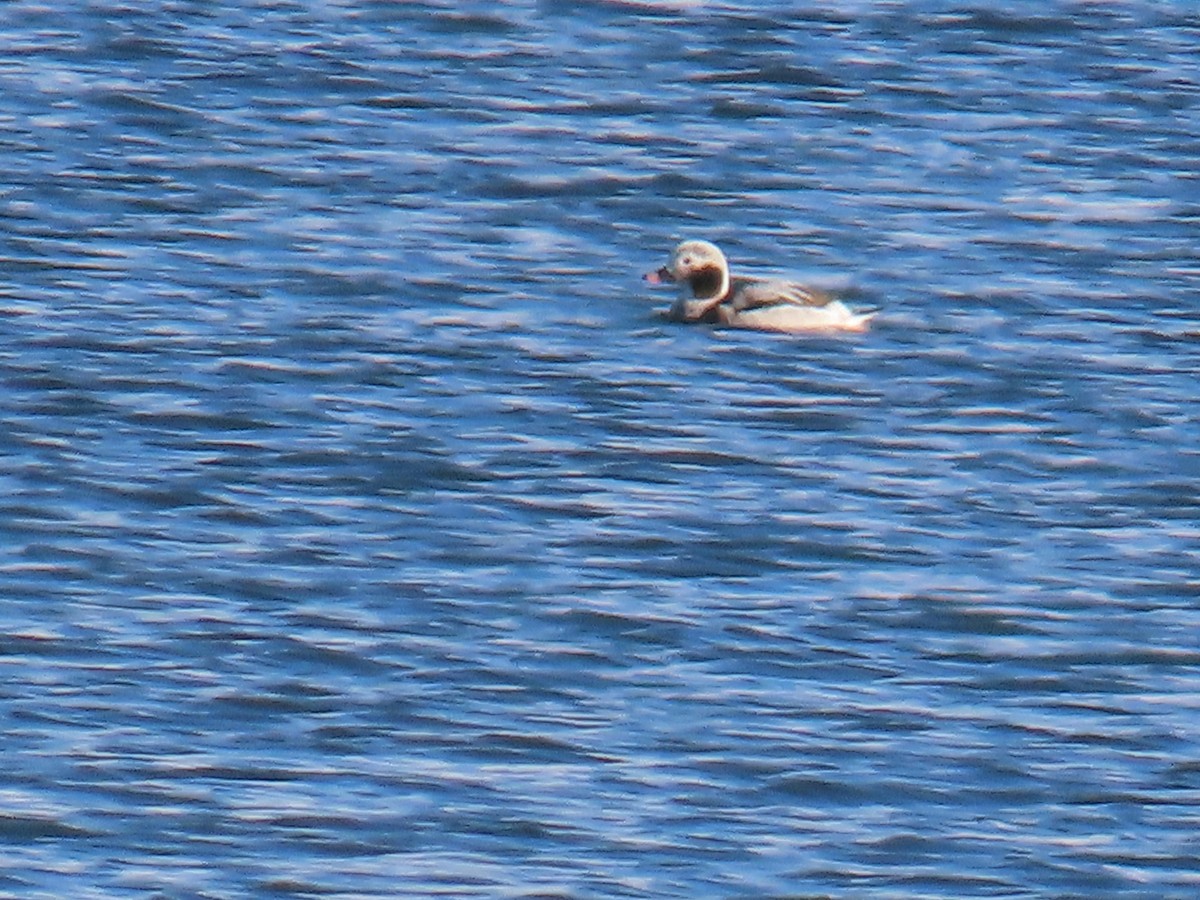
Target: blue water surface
366,532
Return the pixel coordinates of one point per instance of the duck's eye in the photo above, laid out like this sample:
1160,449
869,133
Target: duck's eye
686,261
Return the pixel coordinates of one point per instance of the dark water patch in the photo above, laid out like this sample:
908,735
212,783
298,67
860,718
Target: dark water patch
24,829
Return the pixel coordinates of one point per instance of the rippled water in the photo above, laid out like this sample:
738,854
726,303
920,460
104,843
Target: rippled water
366,533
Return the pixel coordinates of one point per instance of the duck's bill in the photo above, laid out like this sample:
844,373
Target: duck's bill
660,276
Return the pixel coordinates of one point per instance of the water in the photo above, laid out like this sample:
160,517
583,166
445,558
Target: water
366,533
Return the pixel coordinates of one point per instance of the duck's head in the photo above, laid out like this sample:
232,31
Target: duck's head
699,268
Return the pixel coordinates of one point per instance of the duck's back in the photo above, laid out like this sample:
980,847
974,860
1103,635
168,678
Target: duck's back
758,293
778,305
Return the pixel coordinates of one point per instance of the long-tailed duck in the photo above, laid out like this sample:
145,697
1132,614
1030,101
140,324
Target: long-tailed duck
707,293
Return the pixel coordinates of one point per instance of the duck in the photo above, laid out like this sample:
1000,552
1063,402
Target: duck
708,293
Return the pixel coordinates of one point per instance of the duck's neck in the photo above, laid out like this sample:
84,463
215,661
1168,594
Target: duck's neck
709,283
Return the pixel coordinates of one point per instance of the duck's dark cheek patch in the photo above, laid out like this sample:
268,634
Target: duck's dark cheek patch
705,282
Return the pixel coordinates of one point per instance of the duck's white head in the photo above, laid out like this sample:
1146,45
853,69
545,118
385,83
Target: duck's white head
699,268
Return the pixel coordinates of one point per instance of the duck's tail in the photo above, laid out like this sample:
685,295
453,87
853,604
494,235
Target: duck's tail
860,321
